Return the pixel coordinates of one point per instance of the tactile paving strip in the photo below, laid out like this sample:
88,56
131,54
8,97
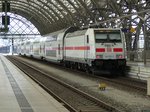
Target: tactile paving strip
22,101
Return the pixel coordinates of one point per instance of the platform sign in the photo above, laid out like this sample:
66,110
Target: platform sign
109,49
132,30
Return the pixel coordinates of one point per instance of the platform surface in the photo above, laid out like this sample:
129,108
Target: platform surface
136,63
18,93
139,69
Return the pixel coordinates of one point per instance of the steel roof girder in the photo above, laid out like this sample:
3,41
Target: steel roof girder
51,4
47,11
36,9
84,5
102,14
27,11
115,7
36,15
27,15
59,9
31,12
65,8
55,13
76,9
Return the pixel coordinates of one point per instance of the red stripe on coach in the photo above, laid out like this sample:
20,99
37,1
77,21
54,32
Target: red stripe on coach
82,48
69,48
78,48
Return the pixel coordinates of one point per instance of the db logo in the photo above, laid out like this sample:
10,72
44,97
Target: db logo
109,49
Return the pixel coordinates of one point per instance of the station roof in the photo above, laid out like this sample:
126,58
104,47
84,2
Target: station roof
52,15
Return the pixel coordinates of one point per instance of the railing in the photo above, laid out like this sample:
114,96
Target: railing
138,55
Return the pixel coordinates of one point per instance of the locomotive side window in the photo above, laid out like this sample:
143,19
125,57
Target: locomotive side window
87,38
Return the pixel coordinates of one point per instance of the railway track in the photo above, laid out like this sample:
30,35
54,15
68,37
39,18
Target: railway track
72,98
124,83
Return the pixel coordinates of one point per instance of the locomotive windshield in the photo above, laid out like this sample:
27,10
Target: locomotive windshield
102,37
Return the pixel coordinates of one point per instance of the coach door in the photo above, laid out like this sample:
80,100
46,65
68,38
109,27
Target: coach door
59,51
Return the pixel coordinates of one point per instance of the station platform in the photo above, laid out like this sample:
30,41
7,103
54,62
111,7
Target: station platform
19,93
139,69
138,63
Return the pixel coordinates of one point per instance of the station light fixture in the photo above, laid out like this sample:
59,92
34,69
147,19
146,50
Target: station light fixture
5,18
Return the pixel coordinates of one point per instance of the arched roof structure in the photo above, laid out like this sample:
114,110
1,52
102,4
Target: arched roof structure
53,15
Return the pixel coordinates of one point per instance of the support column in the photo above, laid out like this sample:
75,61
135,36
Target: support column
12,46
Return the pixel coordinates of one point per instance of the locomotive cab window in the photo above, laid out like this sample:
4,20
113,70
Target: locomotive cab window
108,37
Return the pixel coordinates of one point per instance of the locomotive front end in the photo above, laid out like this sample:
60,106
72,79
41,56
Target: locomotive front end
109,50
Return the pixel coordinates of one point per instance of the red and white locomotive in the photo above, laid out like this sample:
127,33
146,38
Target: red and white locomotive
92,49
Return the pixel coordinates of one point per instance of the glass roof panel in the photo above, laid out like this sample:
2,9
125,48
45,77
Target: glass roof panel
19,25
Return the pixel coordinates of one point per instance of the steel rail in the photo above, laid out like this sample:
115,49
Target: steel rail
117,81
85,95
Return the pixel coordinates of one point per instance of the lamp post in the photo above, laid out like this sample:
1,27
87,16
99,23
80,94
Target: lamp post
145,42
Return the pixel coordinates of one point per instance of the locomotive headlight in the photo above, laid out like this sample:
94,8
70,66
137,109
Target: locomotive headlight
99,56
119,56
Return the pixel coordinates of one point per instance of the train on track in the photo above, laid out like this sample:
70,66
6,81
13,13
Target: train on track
91,49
